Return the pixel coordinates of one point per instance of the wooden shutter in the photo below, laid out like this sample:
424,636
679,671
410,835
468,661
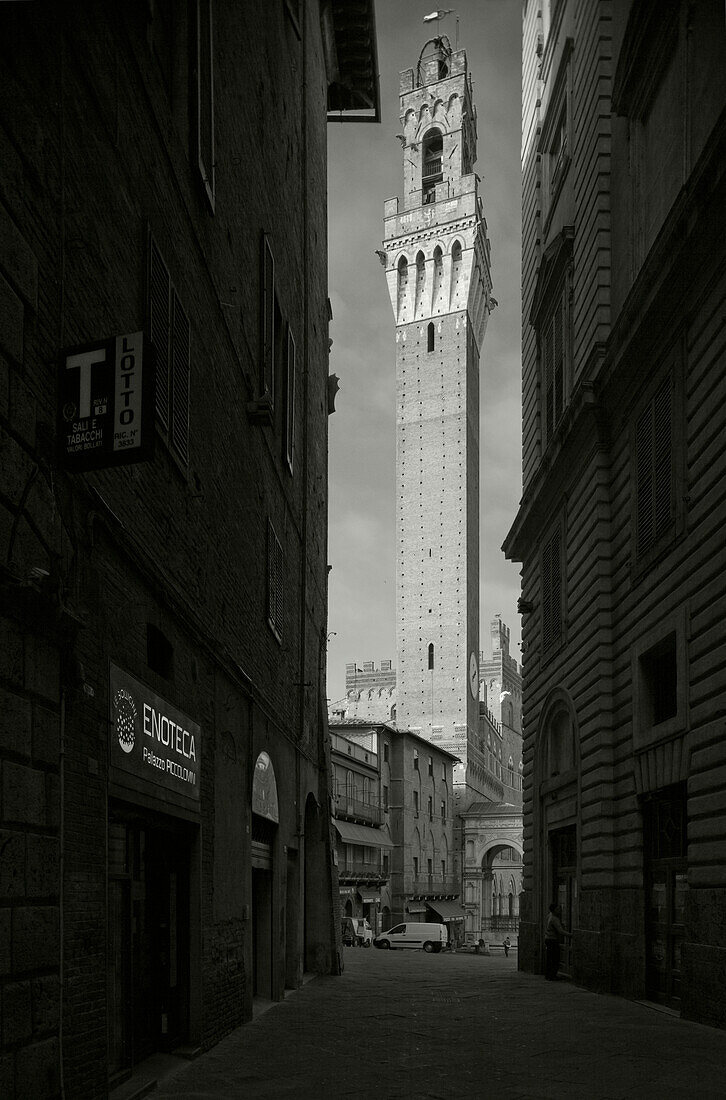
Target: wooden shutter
549,381
662,459
558,322
275,580
653,469
290,400
205,98
180,380
267,280
551,590
159,308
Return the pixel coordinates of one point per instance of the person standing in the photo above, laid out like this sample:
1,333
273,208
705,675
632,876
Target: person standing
554,936
506,945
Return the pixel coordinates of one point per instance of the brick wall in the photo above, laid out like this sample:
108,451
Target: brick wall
95,154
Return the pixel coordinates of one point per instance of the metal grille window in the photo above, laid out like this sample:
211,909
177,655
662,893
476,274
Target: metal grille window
275,582
170,334
654,469
552,590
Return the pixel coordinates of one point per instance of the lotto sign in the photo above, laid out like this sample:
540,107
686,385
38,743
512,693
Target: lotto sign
106,404
150,738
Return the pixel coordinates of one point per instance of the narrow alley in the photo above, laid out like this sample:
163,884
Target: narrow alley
405,1024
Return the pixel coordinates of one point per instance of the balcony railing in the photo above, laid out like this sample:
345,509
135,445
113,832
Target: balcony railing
433,884
500,924
361,870
356,807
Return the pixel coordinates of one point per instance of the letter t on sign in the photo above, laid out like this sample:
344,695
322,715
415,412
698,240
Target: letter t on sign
85,361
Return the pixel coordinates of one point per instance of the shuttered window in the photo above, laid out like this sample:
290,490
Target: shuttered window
654,469
204,72
159,292
553,351
267,351
169,332
290,401
552,590
180,380
275,582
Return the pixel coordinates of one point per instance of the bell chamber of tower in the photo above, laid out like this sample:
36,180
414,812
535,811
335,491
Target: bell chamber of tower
438,274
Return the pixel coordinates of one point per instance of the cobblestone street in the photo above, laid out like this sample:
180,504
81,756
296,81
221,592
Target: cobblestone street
405,1024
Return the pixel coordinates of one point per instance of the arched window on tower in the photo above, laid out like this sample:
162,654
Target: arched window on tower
402,285
456,262
431,165
430,336
436,304
420,281
431,655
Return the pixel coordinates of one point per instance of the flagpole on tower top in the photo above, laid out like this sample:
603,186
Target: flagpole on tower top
438,15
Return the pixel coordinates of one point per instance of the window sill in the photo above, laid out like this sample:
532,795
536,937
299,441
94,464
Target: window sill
261,410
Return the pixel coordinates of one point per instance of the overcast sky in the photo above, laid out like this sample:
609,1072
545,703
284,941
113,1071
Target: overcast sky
365,167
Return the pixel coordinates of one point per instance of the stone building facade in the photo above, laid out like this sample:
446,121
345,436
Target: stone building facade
619,527
166,851
417,800
363,841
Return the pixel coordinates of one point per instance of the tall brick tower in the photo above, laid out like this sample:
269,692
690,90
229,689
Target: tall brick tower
437,267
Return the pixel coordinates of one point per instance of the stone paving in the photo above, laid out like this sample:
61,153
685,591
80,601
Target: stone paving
400,1025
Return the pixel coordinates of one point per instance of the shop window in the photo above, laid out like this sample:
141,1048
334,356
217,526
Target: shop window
275,583
170,335
159,652
204,98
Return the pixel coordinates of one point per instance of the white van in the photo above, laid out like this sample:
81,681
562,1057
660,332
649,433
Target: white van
426,937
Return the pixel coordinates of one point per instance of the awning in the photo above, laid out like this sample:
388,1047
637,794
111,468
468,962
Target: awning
415,907
447,910
362,834
368,897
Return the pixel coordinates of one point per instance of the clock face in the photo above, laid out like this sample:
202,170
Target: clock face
473,676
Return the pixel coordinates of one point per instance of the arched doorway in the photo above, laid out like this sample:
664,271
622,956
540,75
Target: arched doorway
316,889
265,818
557,814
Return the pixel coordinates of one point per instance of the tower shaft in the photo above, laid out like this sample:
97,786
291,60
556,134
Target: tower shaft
439,283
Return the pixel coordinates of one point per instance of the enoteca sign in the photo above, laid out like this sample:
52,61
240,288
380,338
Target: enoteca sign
106,404
150,738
